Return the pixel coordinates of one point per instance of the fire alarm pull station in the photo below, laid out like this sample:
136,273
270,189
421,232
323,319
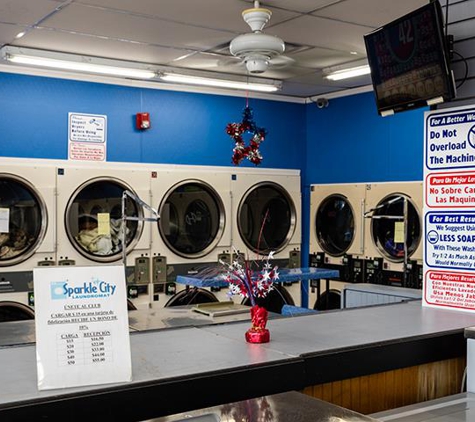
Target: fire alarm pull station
142,121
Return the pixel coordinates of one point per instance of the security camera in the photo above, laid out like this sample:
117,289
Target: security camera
322,102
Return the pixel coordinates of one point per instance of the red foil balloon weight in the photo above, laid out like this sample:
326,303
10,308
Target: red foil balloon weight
258,333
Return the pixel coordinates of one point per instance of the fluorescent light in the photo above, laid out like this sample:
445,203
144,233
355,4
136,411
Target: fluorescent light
220,83
81,66
348,73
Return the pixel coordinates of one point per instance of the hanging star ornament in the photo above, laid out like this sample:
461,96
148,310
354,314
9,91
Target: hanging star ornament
236,132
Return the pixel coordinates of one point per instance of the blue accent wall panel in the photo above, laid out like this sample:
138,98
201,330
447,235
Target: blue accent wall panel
187,128
348,142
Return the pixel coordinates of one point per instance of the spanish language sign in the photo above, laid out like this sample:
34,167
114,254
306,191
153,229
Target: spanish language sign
82,330
449,204
87,137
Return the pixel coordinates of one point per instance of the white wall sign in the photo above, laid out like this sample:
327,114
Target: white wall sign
82,329
449,201
87,137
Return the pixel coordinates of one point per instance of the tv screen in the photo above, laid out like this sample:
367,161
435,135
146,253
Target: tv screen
408,61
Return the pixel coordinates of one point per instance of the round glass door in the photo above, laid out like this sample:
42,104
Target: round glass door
94,220
192,219
266,218
335,225
388,233
24,219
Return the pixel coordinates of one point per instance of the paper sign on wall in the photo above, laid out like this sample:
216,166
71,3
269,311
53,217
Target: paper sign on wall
449,200
87,137
82,329
4,220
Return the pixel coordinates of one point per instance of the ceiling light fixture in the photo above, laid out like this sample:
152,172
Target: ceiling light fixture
219,83
338,75
127,72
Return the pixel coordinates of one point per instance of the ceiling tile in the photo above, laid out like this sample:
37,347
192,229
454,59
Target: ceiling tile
382,11
8,32
214,14
94,46
306,90
320,32
26,12
318,58
302,6
91,20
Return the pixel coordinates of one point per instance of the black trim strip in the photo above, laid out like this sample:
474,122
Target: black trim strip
381,357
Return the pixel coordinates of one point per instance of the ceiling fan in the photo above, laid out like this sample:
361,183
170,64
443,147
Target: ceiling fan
256,49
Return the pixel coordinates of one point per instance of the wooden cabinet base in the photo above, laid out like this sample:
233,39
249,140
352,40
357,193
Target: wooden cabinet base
392,389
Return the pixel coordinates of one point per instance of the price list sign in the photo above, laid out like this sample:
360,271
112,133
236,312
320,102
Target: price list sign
82,335
449,203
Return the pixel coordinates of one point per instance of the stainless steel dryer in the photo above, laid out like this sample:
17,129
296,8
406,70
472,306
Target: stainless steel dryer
90,228
194,229
267,217
385,250
27,225
337,236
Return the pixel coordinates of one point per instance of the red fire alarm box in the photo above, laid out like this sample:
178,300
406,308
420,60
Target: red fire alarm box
142,121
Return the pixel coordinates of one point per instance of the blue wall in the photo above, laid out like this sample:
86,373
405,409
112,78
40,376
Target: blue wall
349,142
186,128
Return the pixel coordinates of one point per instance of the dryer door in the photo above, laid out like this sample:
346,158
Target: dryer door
23,219
192,219
335,225
93,219
266,218
383,227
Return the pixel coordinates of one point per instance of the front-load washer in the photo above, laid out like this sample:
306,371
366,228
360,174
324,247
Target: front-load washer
385,231
267,218
27,225
336,237
90,229
194,230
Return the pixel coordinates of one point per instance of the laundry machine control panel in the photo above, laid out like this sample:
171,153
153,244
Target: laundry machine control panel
351,269
374,271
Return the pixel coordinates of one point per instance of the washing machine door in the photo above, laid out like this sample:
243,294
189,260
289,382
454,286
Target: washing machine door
335,225
23,219
266,218
383,227
192,219
93,219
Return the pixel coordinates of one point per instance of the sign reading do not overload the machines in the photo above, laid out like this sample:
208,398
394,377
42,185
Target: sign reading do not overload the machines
449,199
82,328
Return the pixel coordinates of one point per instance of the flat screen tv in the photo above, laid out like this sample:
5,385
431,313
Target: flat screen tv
409,61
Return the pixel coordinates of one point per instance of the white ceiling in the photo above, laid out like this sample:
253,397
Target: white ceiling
194,34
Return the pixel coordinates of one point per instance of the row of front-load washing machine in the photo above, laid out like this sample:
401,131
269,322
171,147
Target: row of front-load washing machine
67,213
371,233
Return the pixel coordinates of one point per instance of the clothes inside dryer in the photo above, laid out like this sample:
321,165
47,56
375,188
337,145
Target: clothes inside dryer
335,225
191,219
23,219
384,228
266,218
94,223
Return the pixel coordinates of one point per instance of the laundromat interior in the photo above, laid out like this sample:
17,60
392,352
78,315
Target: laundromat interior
183,182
